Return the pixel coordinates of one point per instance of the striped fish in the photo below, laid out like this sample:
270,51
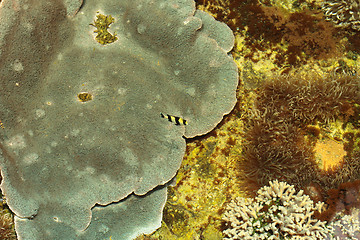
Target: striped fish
173,119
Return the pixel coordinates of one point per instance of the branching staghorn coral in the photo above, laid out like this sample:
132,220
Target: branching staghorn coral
277,212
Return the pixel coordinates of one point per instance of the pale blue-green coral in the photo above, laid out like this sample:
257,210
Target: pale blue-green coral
61,155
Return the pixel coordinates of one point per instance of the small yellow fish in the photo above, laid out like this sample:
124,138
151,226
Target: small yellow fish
173,119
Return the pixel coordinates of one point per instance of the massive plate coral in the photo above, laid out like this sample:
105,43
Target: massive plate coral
61,155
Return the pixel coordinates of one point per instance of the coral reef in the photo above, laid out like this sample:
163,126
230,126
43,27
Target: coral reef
277,212
344,13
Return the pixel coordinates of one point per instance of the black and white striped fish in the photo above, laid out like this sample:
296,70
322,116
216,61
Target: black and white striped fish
173,119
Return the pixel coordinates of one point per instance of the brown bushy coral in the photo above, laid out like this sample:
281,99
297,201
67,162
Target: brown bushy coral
276,147
7,231
306,100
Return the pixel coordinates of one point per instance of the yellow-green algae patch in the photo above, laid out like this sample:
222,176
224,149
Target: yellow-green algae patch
102,24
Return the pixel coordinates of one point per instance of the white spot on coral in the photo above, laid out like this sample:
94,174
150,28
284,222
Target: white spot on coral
48,149
53,144
103,228
105,179
180,31
186,21
40,113
56,219
149,106
162,5
17,65
141,28
214,63
190,91
60,57
176,72
129,157
31,158
121,91
112,128
99,88
158,97
29,26
90,170
31,133
17,141
74,132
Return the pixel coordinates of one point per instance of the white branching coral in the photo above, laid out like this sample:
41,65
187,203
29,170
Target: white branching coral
346,226
277,212
344,13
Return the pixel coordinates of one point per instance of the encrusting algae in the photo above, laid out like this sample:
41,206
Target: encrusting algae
102,24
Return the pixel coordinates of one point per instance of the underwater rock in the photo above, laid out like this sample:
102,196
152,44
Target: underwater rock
81,121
